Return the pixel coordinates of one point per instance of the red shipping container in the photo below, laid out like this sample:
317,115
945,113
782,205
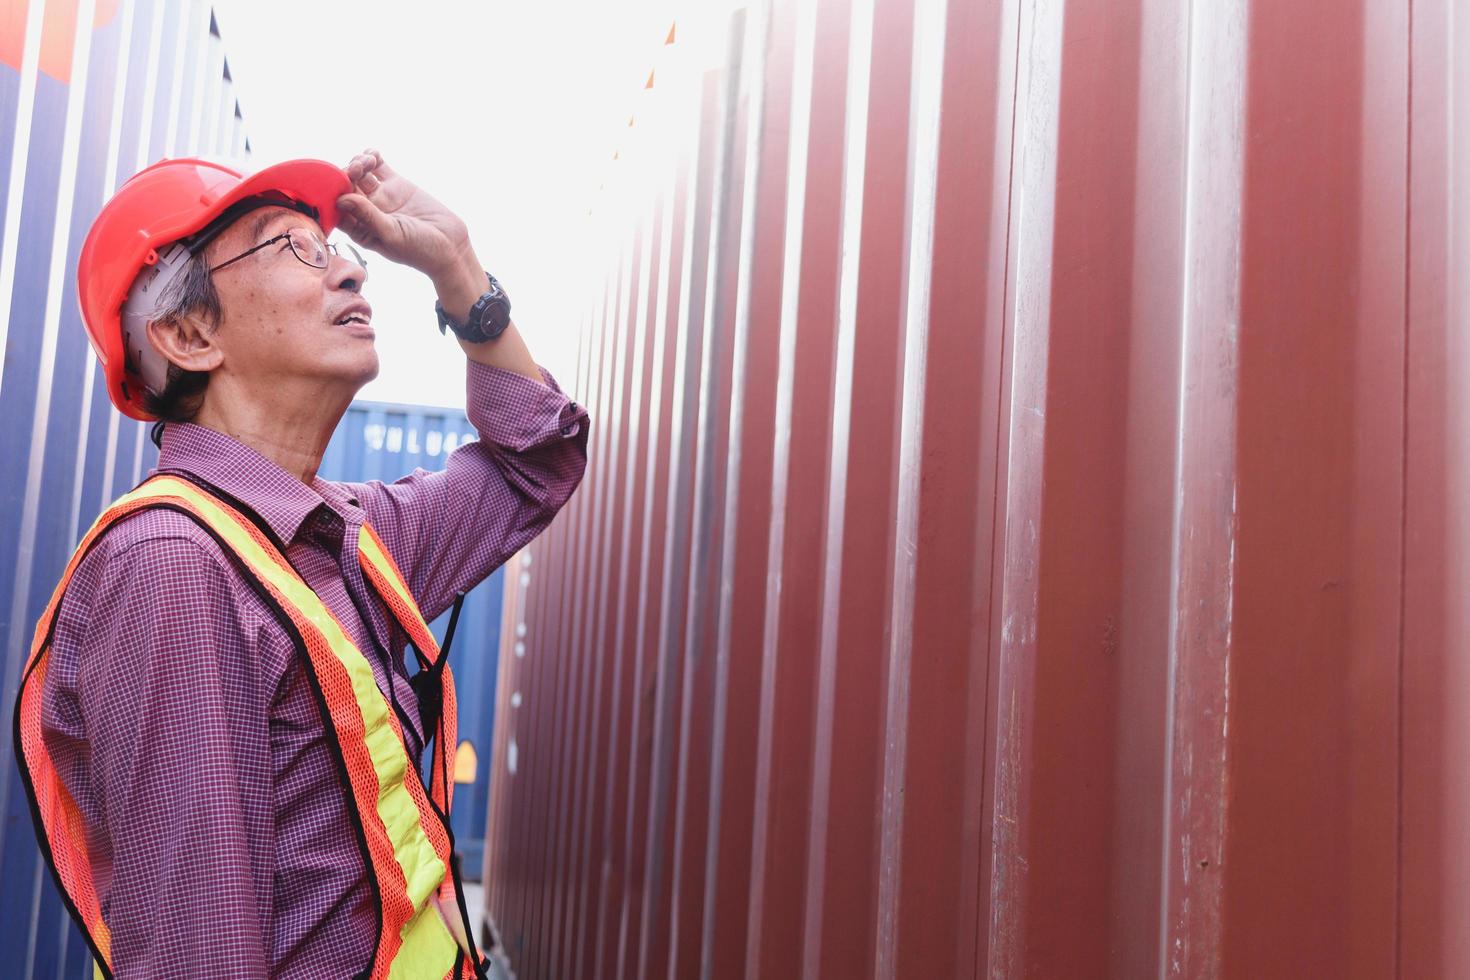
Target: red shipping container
1025,532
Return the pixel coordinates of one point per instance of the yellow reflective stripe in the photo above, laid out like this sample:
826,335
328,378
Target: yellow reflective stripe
367,544
428,949
422,869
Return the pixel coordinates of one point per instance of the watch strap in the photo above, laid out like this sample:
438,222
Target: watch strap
487,319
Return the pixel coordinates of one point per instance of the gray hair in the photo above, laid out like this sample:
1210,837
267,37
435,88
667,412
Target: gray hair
190,293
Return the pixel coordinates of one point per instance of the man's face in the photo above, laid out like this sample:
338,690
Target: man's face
279,317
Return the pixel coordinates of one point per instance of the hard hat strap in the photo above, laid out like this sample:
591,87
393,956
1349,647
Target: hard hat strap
201,239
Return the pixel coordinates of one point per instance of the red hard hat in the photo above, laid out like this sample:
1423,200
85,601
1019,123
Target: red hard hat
170,200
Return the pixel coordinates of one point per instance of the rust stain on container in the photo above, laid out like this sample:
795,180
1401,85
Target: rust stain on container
1023,532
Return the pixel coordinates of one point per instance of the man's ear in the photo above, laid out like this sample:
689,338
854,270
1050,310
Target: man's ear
187,341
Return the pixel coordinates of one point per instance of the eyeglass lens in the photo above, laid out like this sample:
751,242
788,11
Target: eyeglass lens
309,248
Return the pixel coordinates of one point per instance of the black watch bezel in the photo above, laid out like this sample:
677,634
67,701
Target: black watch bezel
487,319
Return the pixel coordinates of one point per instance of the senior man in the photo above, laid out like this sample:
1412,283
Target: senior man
223,747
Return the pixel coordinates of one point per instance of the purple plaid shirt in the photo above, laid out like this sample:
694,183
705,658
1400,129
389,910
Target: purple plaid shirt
179,717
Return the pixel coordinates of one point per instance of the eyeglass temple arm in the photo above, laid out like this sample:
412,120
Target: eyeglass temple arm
252,251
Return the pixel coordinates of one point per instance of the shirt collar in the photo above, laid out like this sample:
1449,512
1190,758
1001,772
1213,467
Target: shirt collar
280,499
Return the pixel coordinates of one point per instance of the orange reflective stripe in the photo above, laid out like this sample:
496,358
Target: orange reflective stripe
376,560
380,568
388,581
408,847
382,571
442,778
63,841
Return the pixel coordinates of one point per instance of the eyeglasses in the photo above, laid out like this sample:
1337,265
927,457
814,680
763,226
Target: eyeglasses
307,246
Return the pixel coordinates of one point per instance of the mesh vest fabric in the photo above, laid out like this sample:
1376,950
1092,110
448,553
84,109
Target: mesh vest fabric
402,828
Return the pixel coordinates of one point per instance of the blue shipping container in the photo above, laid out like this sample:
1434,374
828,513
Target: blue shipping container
91,91
80,111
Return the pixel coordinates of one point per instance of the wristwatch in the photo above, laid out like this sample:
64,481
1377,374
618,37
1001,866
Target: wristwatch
487,319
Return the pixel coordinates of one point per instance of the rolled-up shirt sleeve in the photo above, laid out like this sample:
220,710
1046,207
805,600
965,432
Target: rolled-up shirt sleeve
450,529
155,678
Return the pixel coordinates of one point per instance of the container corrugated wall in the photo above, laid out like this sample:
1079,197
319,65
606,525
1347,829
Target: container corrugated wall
81,109
1026,531
380,441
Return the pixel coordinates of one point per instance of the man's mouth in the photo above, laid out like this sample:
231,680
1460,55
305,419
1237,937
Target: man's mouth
359,313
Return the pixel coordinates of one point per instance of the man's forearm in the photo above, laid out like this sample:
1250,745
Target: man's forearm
458,289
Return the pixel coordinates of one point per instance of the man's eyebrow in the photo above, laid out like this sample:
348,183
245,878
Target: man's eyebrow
264,219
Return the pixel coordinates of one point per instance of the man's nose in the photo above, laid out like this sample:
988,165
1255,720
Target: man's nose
344,273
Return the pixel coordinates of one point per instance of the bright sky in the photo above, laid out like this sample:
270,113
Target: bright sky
508,112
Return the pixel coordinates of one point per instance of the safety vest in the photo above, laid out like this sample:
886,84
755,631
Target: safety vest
402,830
